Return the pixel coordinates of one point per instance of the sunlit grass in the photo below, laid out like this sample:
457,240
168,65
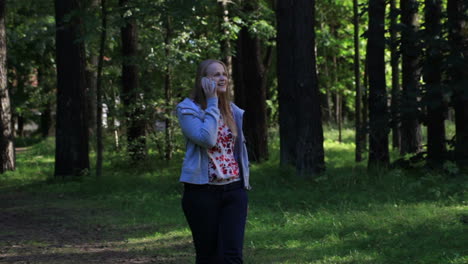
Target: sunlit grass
346,215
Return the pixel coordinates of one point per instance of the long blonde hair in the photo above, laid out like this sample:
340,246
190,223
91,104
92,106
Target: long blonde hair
224,99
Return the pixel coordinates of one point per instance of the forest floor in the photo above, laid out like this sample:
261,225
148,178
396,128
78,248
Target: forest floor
132,214
35,229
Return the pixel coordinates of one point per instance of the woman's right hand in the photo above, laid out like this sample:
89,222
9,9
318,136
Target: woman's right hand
209,87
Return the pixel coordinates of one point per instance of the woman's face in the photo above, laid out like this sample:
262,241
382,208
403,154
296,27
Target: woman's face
216,72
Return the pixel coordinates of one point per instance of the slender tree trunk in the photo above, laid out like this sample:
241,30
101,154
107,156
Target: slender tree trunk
20,123
46,113
99,143
365,101
225,43
410,125
130,88
250,83
338,107
7,150
91,75
339,115
168,92
72,150
46,119
396,89
458,72
436,109
357,83
328,95
378,115
301,131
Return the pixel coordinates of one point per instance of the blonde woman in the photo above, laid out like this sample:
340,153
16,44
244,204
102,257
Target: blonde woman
215,171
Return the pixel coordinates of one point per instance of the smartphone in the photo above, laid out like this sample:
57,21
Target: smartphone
213,83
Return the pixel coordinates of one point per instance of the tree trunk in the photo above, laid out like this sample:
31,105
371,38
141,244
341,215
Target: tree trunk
130,88
225,43
91,75
7,150
99,143
72,150
365,101
46,112
458,72
250,94
338,98
168,92
378,115
301,131
357,83
410,125
436,109
339,115
20,125
396,90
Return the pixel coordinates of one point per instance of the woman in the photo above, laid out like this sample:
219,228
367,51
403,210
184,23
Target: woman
215,171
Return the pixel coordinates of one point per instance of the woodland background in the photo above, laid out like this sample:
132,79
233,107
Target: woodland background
356,124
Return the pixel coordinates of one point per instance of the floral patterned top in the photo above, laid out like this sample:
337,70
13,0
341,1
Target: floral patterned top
222,166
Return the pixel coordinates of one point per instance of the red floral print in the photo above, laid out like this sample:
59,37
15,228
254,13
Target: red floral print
223,167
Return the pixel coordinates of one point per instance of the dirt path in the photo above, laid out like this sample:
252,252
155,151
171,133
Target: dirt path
33,230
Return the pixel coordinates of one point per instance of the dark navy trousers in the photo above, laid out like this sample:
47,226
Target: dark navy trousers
216,216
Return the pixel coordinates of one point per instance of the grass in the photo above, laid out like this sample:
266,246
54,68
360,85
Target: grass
132,214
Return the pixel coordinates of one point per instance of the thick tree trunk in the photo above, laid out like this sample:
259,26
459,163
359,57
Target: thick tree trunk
458,72
378,114
410,125
301,131
7,150
250,93
134,112
396,89
286,83
72,150
436,109
357,83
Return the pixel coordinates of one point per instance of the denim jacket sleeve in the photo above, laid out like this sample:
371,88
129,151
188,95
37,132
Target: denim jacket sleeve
200,129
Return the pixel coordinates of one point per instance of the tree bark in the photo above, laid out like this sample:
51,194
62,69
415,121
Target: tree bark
436,149
225,43
410,124
99,137
365,101
378,114
72,150
396,89
7,150
130,88
250,94
46,112
357,83
458,72
301,132
91,75
168,92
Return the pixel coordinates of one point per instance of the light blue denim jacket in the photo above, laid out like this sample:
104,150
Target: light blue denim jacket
200,128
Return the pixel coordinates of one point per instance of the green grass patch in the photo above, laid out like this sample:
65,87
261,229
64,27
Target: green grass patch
347,215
